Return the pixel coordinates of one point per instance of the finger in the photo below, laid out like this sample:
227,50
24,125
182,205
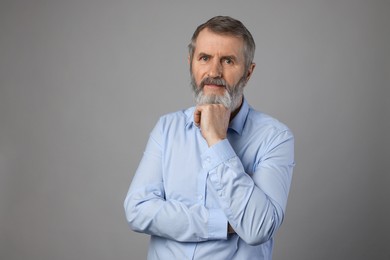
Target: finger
197,116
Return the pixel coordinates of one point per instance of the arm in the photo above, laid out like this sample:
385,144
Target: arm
148,211
254,205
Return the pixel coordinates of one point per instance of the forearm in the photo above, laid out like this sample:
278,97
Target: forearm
250,213
147,212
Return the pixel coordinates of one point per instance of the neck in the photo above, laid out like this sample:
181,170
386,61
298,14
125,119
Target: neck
235,111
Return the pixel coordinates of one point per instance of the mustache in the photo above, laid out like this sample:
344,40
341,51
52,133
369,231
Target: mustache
213,81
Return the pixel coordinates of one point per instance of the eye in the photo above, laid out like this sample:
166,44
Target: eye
228,61
204,58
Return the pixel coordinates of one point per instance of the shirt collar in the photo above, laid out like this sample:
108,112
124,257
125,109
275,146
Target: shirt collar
237,124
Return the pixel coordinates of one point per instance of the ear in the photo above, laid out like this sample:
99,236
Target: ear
250,71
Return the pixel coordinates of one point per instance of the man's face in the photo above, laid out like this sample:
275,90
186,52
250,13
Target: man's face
218,68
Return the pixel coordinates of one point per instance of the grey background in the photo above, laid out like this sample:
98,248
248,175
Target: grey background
82,83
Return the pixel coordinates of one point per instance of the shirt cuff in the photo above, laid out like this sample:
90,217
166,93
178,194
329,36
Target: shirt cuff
217,224
217,154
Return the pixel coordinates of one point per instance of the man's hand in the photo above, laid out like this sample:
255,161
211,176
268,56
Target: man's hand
230,229
213,121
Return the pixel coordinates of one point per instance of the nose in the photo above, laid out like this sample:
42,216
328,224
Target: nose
215,69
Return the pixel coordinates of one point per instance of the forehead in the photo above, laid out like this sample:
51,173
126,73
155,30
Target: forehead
213,43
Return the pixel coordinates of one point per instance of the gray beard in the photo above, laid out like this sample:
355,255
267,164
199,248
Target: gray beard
231,99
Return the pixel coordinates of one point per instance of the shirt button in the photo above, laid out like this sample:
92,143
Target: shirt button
200,197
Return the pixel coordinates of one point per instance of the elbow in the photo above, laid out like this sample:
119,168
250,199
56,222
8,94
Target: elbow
257,239
131,215
132,223
141,209
263,233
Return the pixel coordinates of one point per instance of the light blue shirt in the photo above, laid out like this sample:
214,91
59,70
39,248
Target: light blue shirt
185,193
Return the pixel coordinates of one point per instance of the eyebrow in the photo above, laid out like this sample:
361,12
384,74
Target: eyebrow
232,57
201,54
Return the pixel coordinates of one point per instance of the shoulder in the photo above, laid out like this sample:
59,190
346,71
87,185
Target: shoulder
261,122
271,136
178,119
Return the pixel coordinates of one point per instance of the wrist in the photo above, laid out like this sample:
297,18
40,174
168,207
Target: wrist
213,141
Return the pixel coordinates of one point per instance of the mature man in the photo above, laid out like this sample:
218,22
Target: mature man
214,179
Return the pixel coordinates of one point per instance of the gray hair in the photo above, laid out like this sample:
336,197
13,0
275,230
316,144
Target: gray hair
227,26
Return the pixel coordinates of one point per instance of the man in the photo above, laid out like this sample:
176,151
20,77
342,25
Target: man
214,179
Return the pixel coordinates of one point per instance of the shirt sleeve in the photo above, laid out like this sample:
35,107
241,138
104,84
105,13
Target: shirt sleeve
253,204
148,211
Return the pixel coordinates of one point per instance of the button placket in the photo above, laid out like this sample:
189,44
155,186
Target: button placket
200,196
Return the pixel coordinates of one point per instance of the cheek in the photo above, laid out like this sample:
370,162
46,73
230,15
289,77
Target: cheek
231,80
238,75
197,74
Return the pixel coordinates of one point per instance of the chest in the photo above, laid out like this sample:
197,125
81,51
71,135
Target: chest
184,178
